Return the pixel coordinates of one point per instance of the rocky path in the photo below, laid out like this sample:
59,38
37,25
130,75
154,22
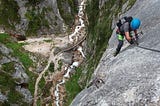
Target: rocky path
40,76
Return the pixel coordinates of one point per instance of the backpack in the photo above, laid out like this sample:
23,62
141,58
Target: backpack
124,20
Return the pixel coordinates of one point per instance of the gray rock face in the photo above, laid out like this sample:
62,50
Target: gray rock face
19,70
20,74
22,11
132,78
4,50
55,8
26,93
17,73
52,16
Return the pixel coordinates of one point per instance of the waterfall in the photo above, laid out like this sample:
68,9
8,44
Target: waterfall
76,63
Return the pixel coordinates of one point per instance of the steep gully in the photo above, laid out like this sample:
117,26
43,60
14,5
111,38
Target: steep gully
59,78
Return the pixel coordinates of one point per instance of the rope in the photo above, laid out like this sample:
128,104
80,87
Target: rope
146,48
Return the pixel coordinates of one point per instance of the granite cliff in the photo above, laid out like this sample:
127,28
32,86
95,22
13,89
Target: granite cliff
132,78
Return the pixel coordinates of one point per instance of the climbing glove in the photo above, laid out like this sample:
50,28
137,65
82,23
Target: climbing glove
134,41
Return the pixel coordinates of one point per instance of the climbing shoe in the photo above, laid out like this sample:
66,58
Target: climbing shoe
115,53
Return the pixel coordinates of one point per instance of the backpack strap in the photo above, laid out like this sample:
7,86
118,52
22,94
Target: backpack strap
119,24
128,19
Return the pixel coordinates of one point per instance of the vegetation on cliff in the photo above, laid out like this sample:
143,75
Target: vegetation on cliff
8,83
36,19
68,9
9,16
99,32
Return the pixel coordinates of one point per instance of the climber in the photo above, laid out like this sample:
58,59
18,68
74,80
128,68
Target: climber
125,26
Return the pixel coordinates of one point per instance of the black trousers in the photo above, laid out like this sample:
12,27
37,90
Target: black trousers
120,44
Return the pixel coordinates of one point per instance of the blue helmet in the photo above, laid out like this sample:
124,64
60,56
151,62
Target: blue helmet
135,23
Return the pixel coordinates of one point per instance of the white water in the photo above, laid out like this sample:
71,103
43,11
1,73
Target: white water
80,49
79,27
76,63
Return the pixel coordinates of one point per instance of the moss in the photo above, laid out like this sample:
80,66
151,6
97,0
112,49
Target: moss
9,13
14,96
46,73
32,81
38,102
9,67
19,52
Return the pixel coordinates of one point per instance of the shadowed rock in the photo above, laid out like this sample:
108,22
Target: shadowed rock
18,37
